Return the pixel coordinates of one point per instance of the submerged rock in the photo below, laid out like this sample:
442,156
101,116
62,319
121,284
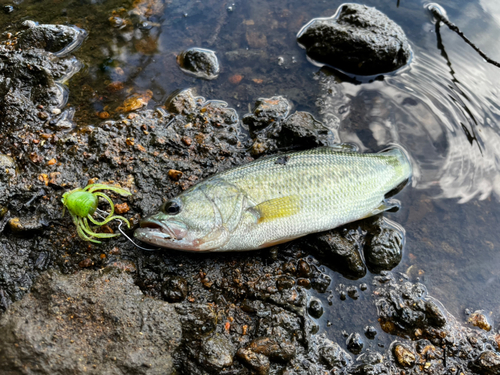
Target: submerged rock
57,39
404,308
384,245
199,62
88,323
358,40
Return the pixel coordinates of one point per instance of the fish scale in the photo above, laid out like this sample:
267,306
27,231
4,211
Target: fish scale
283,198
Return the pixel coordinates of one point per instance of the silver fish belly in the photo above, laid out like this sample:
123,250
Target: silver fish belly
277,199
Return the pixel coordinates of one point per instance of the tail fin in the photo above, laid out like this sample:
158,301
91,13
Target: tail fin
403,164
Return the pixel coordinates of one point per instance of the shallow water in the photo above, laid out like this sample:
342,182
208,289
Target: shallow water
444,109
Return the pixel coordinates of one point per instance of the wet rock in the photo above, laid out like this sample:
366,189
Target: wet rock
384,245
217,352
315,308
352,292
255,361
332,355
370,363
272,131
199,62
25,224
340,251
57,39
198,320
404,356
488,363
355,343
175,289
479,319
8,170
404,308
370,332
275,349
97,316
357,39
303,129
28,79
267,112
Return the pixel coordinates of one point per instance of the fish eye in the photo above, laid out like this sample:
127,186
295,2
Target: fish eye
172,207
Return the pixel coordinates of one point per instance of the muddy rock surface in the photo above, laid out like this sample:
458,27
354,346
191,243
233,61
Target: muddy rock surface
89,322
31,94
439,342
357,39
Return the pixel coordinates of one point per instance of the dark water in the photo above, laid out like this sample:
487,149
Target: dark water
444,109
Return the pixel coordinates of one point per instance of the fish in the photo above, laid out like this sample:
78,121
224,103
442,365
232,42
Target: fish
277,199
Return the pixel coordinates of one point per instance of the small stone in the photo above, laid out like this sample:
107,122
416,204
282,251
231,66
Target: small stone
332,355
200,62
370,332
235,79
121,208
315,308
56,111
257,362
103,115
175,289
352,292
355,343
7,9
174,174
86,263
303,269
404,356
275,349
216,353
479,319
43,115
285,282
488,363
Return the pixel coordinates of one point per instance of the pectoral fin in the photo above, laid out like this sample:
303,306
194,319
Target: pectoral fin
277,208
214,240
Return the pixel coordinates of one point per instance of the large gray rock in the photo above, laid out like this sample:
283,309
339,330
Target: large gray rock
92,323
357,39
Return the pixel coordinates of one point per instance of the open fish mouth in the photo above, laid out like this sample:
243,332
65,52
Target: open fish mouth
170,230
156,228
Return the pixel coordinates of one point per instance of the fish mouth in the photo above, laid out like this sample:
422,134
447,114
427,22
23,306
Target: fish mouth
169,234
156,227
157,231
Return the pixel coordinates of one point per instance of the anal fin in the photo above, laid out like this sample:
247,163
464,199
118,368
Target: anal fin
390,205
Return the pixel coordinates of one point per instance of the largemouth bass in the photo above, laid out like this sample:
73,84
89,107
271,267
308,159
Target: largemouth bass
277,199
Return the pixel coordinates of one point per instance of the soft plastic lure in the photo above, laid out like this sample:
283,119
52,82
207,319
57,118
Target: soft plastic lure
82,204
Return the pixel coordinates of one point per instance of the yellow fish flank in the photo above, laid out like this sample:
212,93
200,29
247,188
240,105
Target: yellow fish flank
277,199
